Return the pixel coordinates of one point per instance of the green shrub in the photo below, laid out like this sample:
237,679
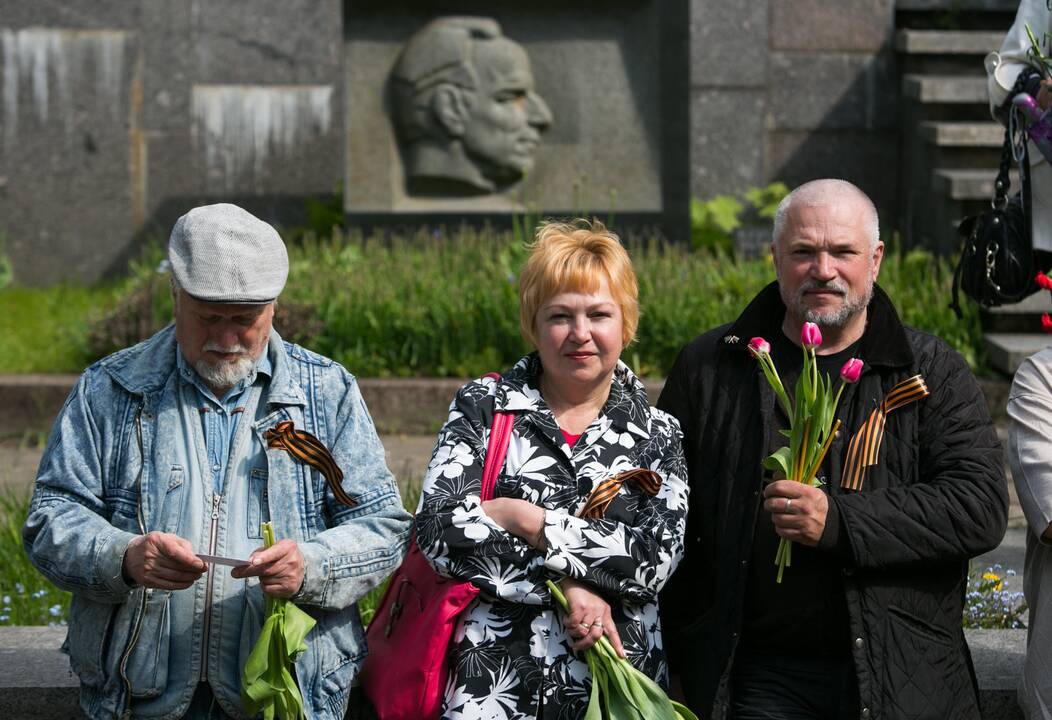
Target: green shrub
713,221
442,304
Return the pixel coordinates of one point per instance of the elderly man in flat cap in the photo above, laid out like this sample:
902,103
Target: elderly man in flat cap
163,464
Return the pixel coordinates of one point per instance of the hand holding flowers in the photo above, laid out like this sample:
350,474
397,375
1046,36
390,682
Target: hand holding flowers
812,426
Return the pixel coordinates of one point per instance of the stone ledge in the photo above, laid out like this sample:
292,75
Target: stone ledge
410,406
949,89
963,134
37,682
947,42
967,184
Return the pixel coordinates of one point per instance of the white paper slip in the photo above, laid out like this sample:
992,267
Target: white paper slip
220,560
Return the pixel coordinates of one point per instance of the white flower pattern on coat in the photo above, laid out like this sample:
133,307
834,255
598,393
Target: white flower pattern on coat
514,659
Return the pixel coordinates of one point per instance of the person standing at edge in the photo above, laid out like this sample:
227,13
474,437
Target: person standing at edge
867,622
184,444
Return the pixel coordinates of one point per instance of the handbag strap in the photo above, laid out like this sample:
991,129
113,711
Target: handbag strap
497,449
1002,184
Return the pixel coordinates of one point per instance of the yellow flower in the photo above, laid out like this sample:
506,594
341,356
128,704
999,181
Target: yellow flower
995,579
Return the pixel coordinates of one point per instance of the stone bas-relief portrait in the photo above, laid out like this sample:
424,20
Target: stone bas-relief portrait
467,116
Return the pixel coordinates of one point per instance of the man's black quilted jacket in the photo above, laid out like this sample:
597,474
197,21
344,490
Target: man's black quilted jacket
936,498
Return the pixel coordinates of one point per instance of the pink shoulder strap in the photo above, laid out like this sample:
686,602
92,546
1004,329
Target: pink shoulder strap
497,449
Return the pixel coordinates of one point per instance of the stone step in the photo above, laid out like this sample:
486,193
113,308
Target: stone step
958,5
1022,317
949,89
1035,304
1008,350
967,184
947,42
963,134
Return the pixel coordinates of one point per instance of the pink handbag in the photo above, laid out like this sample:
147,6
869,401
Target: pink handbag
405,672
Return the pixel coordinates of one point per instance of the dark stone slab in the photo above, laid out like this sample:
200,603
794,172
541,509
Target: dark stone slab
728,43
66,151
83,14
825,91
824,25
118,109
167,53
998,656
615,77
727,127
865,159
37,682
285,42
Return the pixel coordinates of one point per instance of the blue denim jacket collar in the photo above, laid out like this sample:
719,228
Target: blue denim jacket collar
139,372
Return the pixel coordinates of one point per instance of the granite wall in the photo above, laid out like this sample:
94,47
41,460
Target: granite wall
118,115
793,90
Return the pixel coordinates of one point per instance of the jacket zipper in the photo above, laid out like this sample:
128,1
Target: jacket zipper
146,591
216,499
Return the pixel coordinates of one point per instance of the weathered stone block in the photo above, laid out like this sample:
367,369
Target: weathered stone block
287,41
265,139
728,43
167,64
81,14
832,91
727,131
823,25
601,70
66,151
865,159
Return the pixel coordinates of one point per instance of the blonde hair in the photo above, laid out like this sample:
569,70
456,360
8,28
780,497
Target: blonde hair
574,257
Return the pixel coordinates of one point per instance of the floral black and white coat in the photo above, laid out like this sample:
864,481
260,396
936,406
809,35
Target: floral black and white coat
513,658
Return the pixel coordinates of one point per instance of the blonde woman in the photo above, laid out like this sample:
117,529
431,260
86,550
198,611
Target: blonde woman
581,418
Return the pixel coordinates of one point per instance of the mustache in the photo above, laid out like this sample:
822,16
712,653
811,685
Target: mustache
836,286
228,349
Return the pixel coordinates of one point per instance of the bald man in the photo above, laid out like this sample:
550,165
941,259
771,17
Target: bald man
866,622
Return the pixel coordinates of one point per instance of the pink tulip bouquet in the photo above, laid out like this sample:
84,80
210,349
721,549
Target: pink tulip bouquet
812,417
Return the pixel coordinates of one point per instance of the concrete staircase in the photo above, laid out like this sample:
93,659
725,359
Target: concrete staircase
950,147
1013,332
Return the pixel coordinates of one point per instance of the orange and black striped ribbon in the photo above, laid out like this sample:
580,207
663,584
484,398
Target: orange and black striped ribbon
864,449
308,449
604,494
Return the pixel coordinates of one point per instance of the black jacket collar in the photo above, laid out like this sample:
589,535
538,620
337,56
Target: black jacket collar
884,341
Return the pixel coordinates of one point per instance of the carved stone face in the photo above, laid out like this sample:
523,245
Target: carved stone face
506,117
468,116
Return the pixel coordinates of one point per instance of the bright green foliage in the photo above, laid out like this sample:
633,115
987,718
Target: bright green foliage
7,271
268,685
46,330
26,597
619,690
713,221
765,200
443,305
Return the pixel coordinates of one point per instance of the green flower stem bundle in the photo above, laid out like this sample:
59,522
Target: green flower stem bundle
268,683
812,418
1037,59
620,691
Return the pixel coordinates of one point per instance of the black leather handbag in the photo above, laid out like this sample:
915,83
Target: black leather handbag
997,264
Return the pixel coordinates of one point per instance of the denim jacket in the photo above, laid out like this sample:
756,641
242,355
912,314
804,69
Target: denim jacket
107,476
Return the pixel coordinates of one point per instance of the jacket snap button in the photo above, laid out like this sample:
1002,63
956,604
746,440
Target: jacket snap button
865,713
859,642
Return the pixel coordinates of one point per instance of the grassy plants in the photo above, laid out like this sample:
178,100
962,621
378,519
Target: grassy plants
26,597
46,330
442,304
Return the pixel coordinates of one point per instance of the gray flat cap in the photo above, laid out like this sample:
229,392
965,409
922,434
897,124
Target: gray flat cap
223,254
